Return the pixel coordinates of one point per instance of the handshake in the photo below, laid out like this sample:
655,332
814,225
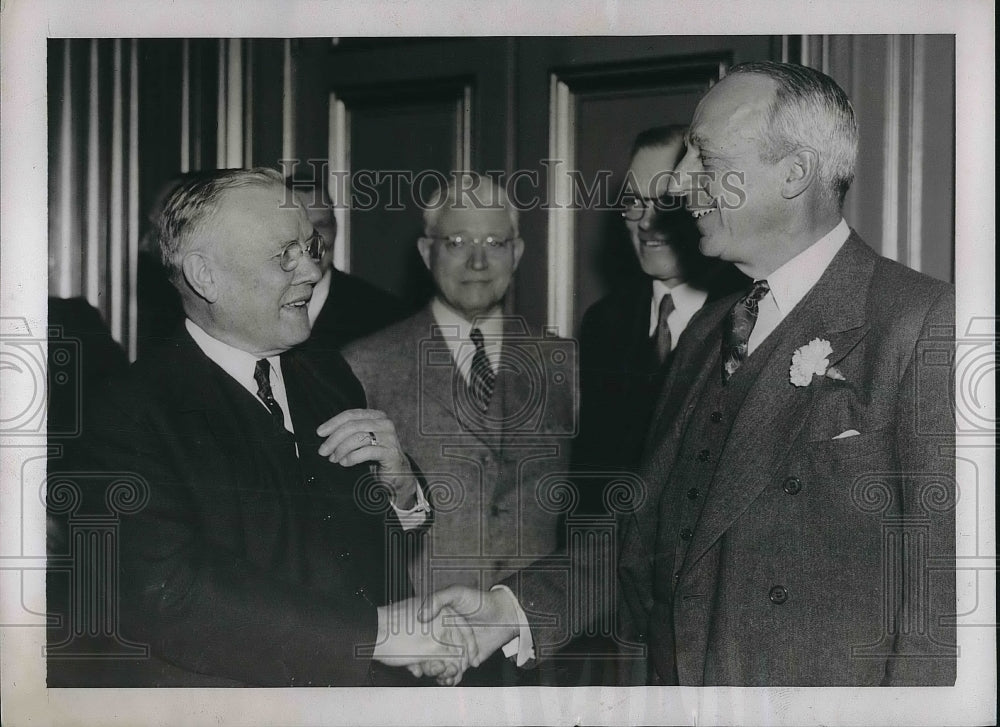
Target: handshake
453,629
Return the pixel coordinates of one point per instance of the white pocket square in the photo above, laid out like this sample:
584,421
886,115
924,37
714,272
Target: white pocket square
848,433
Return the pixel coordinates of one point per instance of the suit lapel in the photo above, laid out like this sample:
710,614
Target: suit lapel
774,410
442,385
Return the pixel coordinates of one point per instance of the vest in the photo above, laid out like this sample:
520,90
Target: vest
703,440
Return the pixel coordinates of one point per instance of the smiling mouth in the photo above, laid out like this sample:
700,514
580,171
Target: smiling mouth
653,241
699,213
297,304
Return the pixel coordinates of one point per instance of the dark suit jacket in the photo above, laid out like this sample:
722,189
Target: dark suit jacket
483,472
353,309
856,612
619,375
241,564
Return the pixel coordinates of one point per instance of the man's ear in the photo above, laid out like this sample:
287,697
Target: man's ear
199,276
425,245
518,251
803,167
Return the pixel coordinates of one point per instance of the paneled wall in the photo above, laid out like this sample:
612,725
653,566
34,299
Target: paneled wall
903,90
127,115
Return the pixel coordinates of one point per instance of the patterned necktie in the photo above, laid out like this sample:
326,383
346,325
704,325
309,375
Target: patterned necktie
262,375
742,318
481,375
664,341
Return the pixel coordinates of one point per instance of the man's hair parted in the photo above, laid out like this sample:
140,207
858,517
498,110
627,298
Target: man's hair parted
194,202
809,109
657,137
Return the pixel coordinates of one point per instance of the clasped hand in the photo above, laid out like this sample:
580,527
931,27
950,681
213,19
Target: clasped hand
456,628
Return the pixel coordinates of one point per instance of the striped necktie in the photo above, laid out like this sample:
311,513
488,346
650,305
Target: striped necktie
663,339
481,375
262,375
742,319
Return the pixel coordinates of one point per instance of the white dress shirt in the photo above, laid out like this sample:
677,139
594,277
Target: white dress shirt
790,283
688,300
241,365
456,331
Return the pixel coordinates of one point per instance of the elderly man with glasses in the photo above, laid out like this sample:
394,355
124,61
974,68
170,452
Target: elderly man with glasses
483,403
264,492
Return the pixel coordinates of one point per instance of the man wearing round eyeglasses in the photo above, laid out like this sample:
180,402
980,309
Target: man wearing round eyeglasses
256,553
482,402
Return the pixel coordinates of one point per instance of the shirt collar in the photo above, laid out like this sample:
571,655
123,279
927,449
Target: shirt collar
491,325
688,300
790,283
238,364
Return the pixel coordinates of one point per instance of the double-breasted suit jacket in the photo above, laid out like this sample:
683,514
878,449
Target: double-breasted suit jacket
771,547
242,563
494,508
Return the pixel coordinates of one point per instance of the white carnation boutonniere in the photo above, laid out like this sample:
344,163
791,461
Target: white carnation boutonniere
813,359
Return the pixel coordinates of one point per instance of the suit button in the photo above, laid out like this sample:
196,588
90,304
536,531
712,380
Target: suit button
328,517
716,416
704,455
344,555
311,480
686,534
494,510
677,577
360,592
693,493
778,595
792,485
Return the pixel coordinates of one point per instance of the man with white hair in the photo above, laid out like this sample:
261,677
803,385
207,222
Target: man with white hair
797,522
483,404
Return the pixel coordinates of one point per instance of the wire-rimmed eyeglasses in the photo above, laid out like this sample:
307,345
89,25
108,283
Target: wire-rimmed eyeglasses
314,247
635,206
457,244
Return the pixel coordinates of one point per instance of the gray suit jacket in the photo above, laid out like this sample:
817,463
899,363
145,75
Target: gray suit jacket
862,546
488,475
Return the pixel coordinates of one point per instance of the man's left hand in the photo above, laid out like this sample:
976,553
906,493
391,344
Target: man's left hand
356,436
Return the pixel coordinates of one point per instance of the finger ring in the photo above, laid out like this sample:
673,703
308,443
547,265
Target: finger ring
371,436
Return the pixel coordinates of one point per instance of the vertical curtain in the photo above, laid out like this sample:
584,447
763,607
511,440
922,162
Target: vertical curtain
125,116
902,88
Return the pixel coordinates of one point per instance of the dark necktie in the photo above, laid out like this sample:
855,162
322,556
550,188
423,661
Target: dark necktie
663,340
262,375
742,319
481,375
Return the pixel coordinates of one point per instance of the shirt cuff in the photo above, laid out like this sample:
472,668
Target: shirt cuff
415,516
521,645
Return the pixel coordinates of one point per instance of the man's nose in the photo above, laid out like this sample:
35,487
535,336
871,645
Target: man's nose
307,271
477,256
648,216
